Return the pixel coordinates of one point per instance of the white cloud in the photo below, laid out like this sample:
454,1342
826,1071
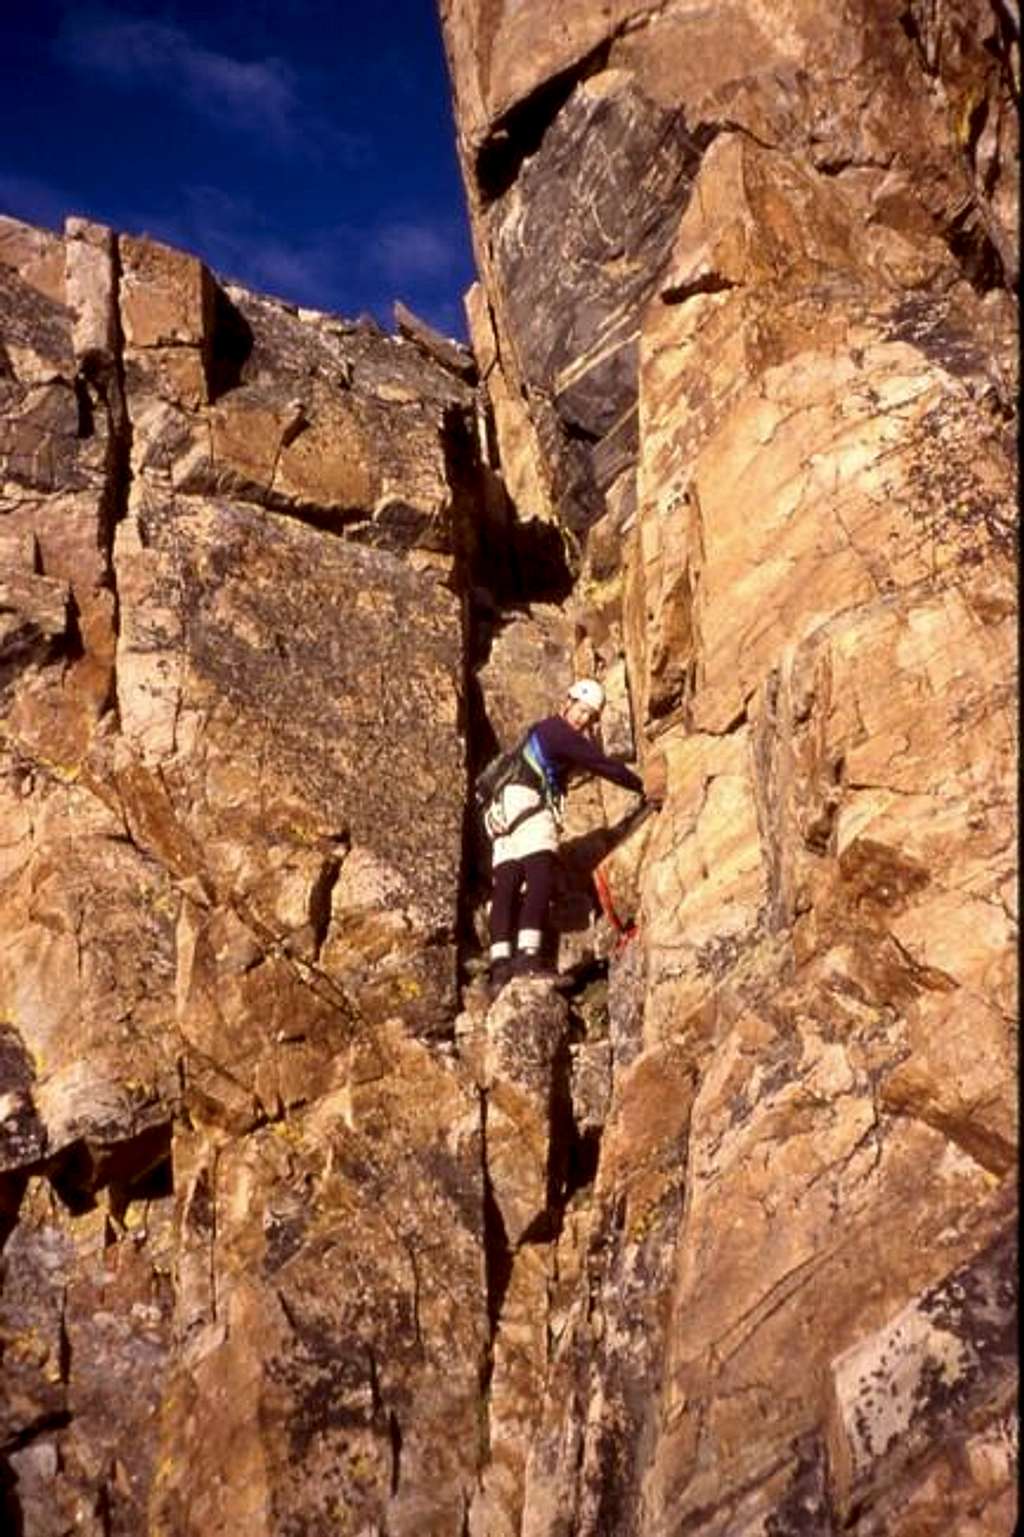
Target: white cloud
150,55
338,265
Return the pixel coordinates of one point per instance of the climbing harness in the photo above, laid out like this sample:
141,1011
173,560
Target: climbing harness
524,764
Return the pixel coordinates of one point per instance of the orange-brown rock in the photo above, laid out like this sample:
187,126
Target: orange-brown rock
231,811
749,288
303,1231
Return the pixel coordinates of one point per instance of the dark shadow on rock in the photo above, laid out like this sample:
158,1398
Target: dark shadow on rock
11,1519
584,1157
576,901
563,1131
521,563
134,1168
584,854
539,566
520,131
231,343
497,1253
12,1188
475,875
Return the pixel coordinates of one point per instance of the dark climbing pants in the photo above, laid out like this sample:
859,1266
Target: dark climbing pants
520,900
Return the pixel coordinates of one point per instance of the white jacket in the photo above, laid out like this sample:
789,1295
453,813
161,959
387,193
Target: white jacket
536,834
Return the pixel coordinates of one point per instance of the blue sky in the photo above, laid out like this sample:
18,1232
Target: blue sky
302,147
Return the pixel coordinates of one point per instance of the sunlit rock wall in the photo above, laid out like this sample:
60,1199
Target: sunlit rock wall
301,1233
746,309
242,1282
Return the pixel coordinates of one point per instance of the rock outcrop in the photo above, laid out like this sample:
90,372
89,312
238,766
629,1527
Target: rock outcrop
746,319
302,1232
233,791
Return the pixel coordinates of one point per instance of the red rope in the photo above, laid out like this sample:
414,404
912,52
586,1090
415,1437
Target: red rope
625,931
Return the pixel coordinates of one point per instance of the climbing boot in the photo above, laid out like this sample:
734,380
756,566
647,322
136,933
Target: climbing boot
538,969
498,974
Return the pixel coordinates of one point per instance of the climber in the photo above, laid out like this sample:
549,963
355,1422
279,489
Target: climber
523,821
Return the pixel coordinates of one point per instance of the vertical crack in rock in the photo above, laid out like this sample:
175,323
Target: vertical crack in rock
583,1107
211,1235
320,902
497,1252
387,1420
564,1140
395,1441
63,1341
116,401
12,1191
504,567
230,347
769,740
101,378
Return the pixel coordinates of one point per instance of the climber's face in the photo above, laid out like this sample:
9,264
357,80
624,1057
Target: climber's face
580,715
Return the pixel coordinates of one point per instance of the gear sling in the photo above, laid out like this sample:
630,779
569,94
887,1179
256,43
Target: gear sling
523,764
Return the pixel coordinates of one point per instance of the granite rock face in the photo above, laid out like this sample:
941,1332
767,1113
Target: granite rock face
746,304
305,1233
581,141
242,1184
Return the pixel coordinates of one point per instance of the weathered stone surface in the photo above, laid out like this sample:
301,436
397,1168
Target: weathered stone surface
256,627
90,292
37,255
601,197
166,296
502,54
523,1059
622,1262
590,1084
601,1390
970,1488
945,1360
772,389
450,354
231,813
85,1316
901,116
338,1352
527,671
525,474
342,429
519,1363
30,607
59,445
775,907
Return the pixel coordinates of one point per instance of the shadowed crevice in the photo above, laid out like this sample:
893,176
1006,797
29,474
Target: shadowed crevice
497,1253
132,1168
520,131
231,344
12,1189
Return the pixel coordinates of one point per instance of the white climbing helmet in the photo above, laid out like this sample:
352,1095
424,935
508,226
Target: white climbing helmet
589,692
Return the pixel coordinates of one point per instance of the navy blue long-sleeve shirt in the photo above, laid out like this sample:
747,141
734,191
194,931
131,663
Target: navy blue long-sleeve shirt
565,749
